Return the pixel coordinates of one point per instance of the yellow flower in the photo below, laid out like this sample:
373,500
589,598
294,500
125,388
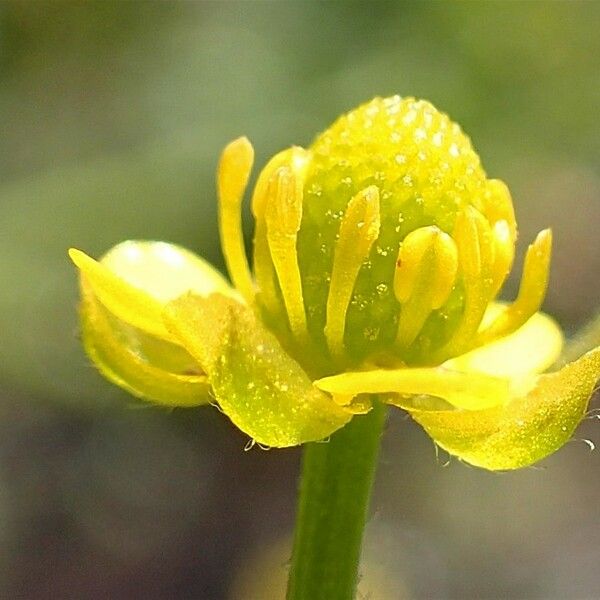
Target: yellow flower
378,255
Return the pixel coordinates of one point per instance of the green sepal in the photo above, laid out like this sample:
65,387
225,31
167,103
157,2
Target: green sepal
256,383
523,431
146,367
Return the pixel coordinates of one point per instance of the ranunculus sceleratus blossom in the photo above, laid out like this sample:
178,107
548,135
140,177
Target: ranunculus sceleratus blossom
378,255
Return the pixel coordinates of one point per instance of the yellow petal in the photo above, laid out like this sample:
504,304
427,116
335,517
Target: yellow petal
135,279
129,359
471,391
533,348
258,386
523,431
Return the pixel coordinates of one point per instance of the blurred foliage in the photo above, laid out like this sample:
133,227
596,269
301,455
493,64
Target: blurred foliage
114,114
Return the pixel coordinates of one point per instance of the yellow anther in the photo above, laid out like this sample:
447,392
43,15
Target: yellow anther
499,206
534,283
283,211
283,216
410,257
500,213
232,177
473,237
266,277
296,158
358,230
425,275
504,254
476,255
536,273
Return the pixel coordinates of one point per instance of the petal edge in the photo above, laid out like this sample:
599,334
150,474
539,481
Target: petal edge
525,430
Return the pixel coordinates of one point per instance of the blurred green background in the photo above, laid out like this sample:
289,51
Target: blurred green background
113,117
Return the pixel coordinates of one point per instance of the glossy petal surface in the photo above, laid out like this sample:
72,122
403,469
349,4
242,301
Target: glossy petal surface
257,384
523,431
533,348
135,279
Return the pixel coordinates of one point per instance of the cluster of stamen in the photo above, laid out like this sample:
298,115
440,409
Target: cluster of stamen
473,259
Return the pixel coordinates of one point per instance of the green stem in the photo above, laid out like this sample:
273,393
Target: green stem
335,489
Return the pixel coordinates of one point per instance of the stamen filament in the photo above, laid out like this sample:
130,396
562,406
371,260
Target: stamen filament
232,177
266,278
499,206
413,317
473,237
358,230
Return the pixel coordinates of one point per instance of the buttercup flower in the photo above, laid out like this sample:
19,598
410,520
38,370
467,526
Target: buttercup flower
378,255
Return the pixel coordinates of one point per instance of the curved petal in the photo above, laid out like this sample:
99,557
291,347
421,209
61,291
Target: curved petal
258,386
525,430
470,391
135,279
533,348
138,365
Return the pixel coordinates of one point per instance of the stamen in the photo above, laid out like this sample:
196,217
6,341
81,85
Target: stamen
470,391
501,216
424,277
264,271
534,283
504,255
232,177
473,237
358,230
283,216
295,157
499,206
